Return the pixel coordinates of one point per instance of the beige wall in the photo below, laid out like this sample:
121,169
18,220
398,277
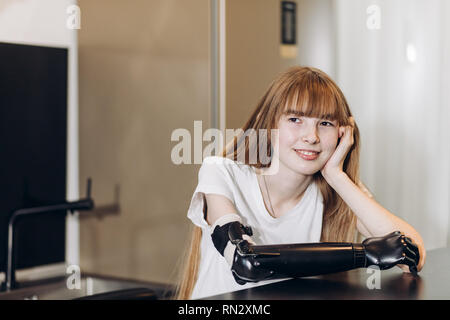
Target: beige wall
252,55
143,72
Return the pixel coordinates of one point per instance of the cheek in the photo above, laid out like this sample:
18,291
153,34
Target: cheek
329,142
287,137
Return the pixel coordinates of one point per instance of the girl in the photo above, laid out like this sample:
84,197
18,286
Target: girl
308,192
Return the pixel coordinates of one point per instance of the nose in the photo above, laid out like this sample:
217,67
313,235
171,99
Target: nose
310,135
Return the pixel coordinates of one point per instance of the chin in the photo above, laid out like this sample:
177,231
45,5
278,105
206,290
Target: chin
306,172
306,169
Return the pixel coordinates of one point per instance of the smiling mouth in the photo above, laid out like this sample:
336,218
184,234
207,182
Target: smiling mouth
307,154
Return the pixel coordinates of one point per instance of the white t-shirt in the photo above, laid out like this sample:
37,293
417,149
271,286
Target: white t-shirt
238,182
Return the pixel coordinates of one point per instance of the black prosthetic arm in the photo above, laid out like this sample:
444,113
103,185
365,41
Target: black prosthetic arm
296,260
253,263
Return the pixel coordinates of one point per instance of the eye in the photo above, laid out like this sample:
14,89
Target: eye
293,120
327,124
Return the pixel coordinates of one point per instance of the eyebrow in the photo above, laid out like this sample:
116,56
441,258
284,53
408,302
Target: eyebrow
295,112
302,114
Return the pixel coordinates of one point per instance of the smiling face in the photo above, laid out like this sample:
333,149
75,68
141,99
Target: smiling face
306,143
309,108
305,108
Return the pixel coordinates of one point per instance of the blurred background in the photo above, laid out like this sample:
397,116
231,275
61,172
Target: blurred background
140,69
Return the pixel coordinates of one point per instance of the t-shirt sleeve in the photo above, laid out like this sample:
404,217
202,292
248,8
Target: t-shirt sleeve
213,177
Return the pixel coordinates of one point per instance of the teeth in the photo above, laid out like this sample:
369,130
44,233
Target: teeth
307,153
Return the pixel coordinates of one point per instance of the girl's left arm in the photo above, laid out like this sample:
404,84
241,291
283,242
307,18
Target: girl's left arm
374,218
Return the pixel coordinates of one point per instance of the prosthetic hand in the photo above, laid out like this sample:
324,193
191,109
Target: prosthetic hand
253,263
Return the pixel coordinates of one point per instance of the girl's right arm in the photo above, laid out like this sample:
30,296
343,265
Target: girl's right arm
218,206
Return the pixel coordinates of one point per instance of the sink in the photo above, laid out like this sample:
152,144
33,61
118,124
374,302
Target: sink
91,287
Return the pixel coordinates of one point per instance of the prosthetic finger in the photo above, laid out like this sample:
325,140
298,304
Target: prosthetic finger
411,257
406,249
410,254
414,248
411,264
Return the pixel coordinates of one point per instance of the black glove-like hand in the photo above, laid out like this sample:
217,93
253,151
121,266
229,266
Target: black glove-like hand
246,266
390,250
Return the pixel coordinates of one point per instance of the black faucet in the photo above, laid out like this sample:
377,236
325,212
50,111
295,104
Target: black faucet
72,206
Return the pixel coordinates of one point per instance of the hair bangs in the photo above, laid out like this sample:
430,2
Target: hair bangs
316,98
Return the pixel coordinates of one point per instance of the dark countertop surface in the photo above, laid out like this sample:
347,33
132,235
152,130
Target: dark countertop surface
433,282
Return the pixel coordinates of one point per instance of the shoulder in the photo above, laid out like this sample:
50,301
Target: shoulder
225,166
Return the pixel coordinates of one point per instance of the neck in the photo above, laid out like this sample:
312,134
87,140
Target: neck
286,186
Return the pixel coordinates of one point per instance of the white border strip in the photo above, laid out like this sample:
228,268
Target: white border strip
222,65
72,187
